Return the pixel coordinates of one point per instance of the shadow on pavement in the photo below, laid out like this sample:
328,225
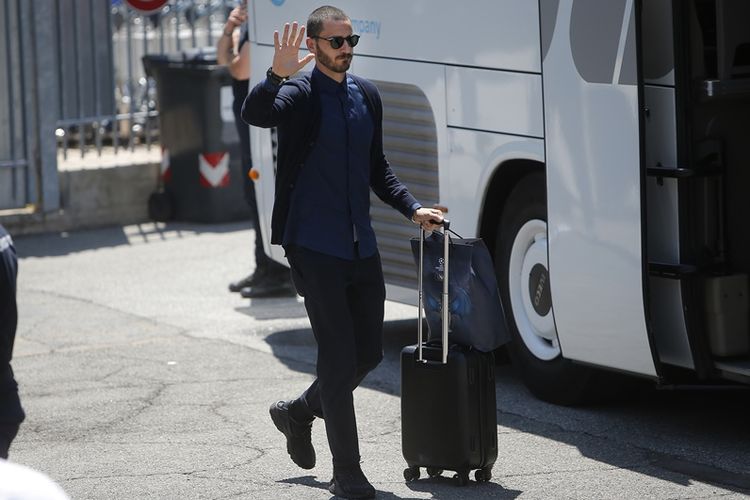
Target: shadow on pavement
274,308
672,414
310,481
57,244
712,420
487,490
396,334
691,413
452,492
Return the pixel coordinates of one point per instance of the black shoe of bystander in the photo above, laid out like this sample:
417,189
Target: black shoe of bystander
269,288
247,281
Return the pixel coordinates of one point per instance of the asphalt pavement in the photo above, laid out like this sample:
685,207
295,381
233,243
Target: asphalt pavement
143,377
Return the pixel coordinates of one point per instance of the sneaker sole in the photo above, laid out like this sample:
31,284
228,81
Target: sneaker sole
333,488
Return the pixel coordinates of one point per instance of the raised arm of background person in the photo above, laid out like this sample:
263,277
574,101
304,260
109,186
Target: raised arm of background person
238,62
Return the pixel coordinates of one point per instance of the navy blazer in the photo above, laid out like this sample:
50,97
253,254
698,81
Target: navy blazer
294,108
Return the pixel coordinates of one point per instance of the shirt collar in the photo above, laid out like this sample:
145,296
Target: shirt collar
328,85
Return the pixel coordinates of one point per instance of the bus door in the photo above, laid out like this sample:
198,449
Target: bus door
595,182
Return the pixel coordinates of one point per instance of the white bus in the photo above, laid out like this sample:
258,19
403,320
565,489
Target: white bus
600,148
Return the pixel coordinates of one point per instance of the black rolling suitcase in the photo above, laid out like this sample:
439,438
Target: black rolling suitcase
448,407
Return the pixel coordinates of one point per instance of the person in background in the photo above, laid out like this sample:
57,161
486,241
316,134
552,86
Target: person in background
330,155
270,279
18,482
11,412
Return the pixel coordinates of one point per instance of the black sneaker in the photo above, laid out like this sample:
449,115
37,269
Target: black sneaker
350,482
298,435
268,290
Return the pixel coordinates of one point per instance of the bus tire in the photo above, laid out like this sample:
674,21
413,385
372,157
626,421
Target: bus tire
533,350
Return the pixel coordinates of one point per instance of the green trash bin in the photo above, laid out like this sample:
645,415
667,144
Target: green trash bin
201,166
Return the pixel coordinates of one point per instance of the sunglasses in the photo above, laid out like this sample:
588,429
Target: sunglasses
337,41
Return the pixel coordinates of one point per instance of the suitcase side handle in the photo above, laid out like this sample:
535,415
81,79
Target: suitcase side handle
444,302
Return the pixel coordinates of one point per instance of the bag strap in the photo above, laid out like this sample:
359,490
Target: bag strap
455,233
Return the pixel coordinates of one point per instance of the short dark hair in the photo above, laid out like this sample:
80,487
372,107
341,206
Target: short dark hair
321,14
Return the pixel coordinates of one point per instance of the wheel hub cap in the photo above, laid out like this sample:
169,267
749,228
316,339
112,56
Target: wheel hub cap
531,299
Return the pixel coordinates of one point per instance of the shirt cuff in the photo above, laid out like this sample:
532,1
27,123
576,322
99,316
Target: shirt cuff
412,210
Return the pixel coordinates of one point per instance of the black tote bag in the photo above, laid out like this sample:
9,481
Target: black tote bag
476,313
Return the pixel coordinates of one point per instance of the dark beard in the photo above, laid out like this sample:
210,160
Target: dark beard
339,65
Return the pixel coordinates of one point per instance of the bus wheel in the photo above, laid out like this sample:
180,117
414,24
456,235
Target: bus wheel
523,278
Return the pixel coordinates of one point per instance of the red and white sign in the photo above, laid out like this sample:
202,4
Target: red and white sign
146,6
166,171
214,169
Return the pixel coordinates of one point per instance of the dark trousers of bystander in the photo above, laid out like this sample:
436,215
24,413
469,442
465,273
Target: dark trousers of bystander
264,265
345,303
11,412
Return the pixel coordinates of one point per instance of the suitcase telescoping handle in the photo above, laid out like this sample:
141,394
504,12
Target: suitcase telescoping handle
444,302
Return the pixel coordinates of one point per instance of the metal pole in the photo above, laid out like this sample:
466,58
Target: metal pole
27,138
146,21
115,120
177,29
45,100
78,73
11,96
211,8
193,24
421,297
161,34
446,280
97,104
129,33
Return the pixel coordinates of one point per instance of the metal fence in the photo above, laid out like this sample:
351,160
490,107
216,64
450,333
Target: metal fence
74,83
16,185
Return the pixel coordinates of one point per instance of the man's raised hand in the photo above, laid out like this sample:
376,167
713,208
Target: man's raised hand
286,61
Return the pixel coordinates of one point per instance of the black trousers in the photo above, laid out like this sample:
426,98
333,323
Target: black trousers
11,412
345,302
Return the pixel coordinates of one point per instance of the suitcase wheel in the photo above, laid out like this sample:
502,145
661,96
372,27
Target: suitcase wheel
462,478
483,475
411,473
434,471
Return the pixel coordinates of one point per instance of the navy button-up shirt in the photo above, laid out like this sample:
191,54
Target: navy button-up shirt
295,109
330,205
